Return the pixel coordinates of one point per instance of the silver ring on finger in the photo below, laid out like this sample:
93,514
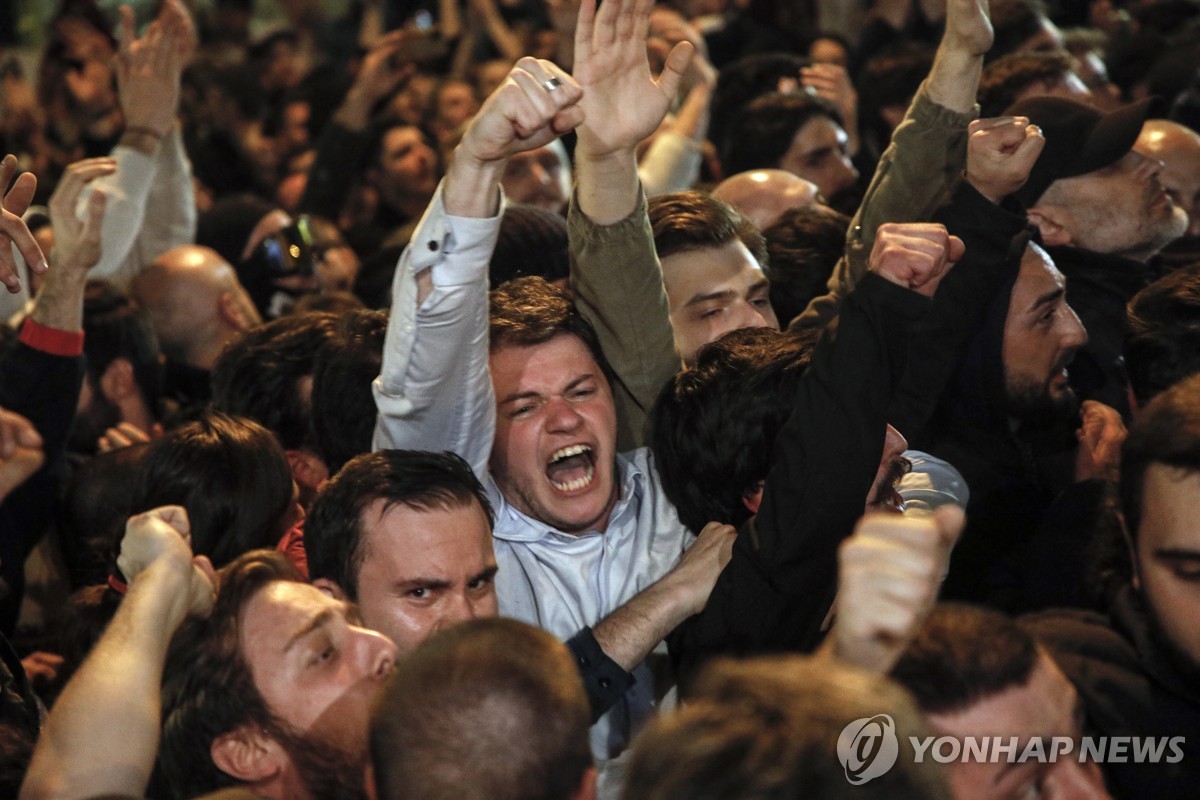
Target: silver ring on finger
550,84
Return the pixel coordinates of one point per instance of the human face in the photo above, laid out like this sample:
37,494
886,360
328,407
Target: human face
424,570
317,669
407,165
714,290
1120,210
1045,706
456,104
892,467
818,153
1178,148
536,178
1041,335
554,454
1168,556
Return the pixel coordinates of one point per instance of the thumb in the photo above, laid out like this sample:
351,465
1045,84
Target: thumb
1027,152
677,64
950,521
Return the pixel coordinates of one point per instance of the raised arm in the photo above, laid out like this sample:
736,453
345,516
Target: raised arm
102,736
434,391
926,155
615,272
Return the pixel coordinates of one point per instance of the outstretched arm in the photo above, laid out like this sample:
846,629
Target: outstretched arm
434,391
615,272
926,155
102,736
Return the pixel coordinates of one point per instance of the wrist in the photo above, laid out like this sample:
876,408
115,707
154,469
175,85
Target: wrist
143,138
472,185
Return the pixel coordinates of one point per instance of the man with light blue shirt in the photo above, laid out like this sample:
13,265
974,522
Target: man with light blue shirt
586,544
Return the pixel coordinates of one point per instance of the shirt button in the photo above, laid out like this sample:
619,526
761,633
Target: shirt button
583,661
605,683
433,246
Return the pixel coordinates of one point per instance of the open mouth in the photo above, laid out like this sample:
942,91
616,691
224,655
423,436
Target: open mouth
572,468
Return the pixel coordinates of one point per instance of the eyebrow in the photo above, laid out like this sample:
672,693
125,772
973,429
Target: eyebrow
724,294
531,394
1178,554
1013,766
317,621
1047,298
486,573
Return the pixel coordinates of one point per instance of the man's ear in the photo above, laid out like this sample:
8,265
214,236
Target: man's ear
118,382
248,754
1050,224
752,497
308,470
330,588
233,313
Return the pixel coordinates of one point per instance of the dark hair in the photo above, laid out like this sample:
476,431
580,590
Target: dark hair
1007,77
740,82
762,133
343,404
378,132
714,426
1167,431
1162,333
490,709
334,535
208,688
768,729
533,241
115,328
692,220
1014,22
963,655
232,477
529,311
95,506
804,245
259,375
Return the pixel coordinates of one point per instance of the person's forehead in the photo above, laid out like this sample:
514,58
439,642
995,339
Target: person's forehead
1037,275
818,132
276,613
402,135
1170,508
1044,705
546,366
412,537
707,269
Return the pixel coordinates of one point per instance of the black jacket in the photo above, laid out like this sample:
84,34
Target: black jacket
1098,288
1131,686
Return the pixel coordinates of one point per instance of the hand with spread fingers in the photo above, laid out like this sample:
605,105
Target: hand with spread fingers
77,243
622,101
915,255
13,230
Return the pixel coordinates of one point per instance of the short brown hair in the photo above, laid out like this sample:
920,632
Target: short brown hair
693,220
529,311
491,708
208,688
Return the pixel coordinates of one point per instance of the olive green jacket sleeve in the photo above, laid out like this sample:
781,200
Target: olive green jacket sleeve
917,172
618,288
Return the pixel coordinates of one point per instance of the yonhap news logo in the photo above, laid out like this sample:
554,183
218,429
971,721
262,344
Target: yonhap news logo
868,748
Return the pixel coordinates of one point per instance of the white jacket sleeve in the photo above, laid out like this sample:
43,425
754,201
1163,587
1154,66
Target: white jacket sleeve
170,218
434,391
128,190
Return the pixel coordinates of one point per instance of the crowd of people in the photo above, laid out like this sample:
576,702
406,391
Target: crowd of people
602,399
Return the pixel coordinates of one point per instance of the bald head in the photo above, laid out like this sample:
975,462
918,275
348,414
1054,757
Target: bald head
195,303
1178,147
764,194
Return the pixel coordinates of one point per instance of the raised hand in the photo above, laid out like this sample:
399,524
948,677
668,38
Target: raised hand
162,537
968,26
378,77
831,82
915,255
1001,152
622,101
535,104
1101,434
148,71
21,452
13,230
888,579
77,244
